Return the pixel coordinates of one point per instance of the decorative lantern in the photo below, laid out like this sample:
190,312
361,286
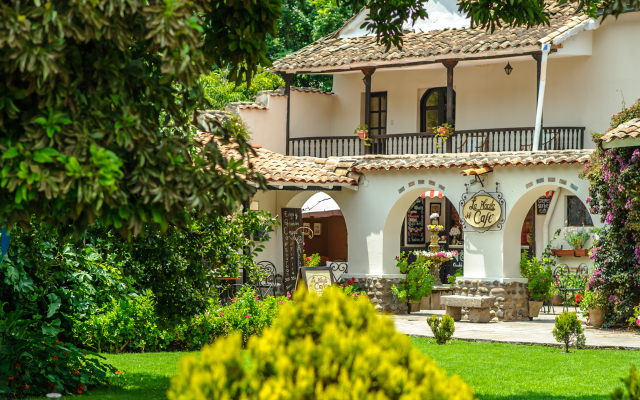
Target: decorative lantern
508,69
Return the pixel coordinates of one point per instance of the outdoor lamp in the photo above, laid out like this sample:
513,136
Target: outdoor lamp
508,69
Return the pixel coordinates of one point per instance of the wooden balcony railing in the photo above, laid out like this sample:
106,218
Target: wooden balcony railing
467,141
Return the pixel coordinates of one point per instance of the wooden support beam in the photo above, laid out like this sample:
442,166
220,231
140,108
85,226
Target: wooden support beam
449,64
367,101
287,91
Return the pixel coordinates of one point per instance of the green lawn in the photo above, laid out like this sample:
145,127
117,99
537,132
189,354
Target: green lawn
510,372
496,371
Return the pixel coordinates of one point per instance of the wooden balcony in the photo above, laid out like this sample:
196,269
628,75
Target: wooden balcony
469,141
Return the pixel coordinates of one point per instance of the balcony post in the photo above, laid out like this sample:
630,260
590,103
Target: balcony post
368,71
449,64
287,91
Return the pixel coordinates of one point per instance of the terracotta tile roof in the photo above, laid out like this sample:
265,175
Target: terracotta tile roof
464,160
333,52
629,129
278,168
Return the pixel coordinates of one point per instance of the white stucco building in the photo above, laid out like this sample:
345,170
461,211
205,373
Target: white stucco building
566,80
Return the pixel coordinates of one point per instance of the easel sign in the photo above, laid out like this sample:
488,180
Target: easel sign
315,279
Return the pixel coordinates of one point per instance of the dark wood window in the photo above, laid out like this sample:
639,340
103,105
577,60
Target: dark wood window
433,109
378,113
577,213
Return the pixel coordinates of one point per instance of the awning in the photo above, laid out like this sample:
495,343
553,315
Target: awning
549,193
432,194
476,171
320,205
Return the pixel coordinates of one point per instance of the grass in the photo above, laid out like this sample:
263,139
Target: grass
146,377
510,372
496,371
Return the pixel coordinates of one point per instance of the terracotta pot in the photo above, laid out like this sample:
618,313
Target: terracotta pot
556,300
581,252
362,134
562,252
595,316
534,308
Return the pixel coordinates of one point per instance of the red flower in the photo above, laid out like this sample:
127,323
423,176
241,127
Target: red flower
76,371
11,378
65,353
17,366
82,387
118,372
85,354
26,386
79,390
55,358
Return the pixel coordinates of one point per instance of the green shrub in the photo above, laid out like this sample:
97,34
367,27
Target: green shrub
313,261
418,283
327,347
568,330
632,383
352,289
451,279
132,325
33,362
442,328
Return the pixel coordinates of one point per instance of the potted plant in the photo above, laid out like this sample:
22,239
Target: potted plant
363,133
592,305
539,290
454,232
418,282
444,131
577,238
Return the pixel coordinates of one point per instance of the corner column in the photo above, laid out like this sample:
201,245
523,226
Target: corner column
368,71
287,91
449,64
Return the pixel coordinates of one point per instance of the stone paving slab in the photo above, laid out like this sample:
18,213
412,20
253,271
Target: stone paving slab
536,332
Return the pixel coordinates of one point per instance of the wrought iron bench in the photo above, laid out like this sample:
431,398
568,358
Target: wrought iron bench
338,269
569,282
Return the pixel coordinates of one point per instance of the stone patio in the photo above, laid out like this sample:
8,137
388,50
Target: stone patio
527,332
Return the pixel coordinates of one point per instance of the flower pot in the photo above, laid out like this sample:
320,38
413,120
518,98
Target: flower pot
581,252
595,316
414,306
362,134
534,308
556,300
563,252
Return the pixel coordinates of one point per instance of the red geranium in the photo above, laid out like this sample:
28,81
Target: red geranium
118,372
578,299
11,378
76,371
79,390
55,358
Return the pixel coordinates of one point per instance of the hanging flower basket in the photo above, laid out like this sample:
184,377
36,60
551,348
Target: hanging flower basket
362,134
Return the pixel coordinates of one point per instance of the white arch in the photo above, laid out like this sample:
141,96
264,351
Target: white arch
515,218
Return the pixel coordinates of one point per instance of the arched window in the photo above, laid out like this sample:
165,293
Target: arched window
433,109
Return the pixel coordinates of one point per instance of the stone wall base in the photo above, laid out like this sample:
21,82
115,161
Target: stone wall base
511,298
379,292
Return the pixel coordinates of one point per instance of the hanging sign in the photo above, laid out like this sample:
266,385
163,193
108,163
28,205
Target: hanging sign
291,220
543,205
482,211
315,279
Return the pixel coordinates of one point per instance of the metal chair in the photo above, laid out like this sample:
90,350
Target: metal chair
339,267
570,283
267,279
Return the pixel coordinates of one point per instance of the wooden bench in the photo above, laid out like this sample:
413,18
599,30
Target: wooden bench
479,307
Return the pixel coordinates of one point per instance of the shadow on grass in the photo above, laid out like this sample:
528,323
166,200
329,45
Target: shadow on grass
143,386
541,396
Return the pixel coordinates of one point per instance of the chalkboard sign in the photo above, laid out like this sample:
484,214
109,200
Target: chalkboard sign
415,222
291,221
543,205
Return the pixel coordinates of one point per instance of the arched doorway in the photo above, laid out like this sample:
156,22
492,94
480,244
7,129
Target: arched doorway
323,216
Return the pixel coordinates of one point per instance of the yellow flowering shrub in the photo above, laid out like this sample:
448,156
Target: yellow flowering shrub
328,347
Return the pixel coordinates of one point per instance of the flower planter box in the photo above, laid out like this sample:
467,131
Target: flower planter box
414,306
570,252
595,316
534,309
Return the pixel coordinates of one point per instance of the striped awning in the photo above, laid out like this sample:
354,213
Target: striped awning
431,194
549,193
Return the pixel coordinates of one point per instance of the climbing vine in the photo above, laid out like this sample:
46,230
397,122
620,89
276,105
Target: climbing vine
614,194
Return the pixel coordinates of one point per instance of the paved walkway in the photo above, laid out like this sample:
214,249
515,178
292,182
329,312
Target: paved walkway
537,332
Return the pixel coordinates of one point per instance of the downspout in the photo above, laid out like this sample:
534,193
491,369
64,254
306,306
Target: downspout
547,219
546,47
